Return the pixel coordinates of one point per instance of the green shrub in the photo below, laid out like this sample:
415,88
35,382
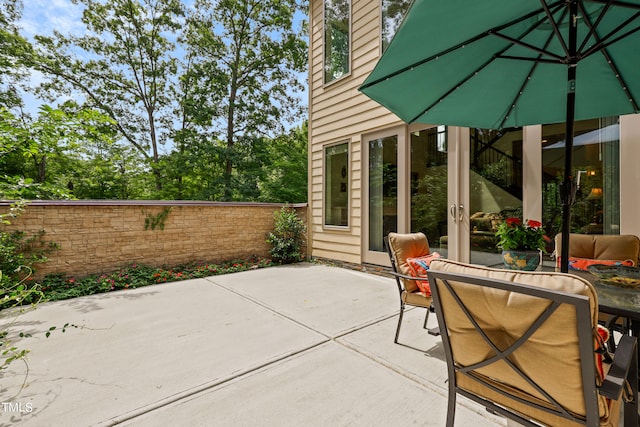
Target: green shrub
17,250
59,287
18,253
287,236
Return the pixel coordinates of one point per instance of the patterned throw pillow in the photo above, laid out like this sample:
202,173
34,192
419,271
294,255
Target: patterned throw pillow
602,353
419,267
583,263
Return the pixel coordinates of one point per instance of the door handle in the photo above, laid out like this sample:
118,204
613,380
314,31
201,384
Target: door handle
452,211
460,213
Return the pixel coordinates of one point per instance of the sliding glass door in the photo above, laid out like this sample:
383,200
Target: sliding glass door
383,181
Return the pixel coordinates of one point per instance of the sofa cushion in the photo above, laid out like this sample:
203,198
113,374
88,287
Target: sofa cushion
419,267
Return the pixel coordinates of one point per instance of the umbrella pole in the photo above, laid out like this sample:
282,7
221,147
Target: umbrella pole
568,187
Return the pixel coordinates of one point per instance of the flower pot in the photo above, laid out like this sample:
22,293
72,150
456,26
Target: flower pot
527,260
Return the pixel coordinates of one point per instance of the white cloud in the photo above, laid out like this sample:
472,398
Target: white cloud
44,16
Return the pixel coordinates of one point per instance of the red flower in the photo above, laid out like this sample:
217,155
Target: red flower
534,224
513,221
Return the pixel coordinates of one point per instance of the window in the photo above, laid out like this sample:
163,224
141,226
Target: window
337,24
383,190
596,168
496,177
392,13
336,185
429,176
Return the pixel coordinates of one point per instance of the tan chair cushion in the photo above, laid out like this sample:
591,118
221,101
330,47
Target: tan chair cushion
416,298
550,353
403,246
605,247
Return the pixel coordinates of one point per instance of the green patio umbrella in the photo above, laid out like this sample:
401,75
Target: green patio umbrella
510,63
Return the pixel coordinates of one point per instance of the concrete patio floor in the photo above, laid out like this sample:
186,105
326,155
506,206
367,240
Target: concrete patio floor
297,345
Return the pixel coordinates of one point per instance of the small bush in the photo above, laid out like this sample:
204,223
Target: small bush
287,236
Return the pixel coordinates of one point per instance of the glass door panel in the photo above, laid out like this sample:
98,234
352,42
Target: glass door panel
596,168
495,189
428,178
383,190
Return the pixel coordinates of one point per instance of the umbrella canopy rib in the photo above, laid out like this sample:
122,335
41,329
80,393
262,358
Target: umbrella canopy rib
558,59
618,3
607,57
592,27
454,48
455,87
623,84
554,26
605,42
525,81
485,64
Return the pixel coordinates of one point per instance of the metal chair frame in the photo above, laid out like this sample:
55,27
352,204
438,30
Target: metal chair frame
625,362
398,277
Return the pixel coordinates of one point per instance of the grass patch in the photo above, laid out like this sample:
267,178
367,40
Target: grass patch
57,287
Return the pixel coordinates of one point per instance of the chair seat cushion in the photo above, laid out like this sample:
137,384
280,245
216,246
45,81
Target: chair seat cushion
418,267
416,298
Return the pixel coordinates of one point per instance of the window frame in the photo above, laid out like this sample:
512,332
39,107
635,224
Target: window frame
325,181
324,44
381,23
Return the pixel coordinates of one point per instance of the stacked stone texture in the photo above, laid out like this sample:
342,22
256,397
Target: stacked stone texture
101,238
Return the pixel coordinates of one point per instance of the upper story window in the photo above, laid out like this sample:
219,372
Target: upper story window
337,43
392,13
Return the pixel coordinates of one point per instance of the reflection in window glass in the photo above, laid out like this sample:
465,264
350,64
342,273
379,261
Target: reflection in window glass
336,39
336,194
392,13
495,188
596,167
383,190
429,185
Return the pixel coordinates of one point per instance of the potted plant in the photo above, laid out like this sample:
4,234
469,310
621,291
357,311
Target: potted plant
522,243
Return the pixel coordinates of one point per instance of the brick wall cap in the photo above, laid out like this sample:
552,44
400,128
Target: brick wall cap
149,203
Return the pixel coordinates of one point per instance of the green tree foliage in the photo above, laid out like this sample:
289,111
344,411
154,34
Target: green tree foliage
55,151
242,59
123,66
285,176
222,102
13,50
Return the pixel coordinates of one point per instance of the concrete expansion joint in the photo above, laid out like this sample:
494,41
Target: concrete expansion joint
204,387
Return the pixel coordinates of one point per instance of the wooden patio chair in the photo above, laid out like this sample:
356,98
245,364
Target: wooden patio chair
523,344
400,248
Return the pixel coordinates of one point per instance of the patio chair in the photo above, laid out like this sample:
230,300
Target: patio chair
525,346
400,248
586,250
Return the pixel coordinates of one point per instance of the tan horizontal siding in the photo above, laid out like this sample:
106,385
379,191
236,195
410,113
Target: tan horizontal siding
339,112
337,255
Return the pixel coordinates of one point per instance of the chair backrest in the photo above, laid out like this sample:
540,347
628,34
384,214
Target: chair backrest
524,340
403,246
601,247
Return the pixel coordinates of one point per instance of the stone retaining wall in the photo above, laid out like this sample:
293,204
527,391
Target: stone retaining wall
102,236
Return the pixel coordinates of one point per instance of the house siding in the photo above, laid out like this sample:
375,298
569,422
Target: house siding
339,112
